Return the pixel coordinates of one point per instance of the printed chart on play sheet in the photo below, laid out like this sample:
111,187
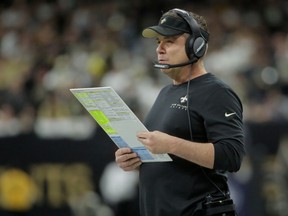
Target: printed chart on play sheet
116,119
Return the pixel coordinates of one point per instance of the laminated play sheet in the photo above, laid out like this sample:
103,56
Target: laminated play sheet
116,119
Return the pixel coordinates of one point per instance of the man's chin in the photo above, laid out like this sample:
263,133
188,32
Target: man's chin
165,70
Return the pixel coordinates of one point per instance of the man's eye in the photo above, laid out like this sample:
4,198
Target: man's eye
169,41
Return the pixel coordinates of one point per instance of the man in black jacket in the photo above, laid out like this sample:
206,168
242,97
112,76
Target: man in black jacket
197,120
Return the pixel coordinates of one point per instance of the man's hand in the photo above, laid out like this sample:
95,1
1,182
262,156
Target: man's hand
127,160
156,142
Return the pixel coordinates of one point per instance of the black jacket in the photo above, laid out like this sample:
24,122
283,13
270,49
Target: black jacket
215,115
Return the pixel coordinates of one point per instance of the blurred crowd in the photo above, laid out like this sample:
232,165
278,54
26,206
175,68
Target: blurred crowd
50,46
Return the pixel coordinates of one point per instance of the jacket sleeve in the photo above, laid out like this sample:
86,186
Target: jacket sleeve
224,127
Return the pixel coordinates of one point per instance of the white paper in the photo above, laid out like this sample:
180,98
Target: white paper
116,119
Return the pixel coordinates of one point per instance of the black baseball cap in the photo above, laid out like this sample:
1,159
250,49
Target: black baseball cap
167,26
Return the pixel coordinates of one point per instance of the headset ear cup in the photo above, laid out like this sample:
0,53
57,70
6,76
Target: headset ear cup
199,47
195,48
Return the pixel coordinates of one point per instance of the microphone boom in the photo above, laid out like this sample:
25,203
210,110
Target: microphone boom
167,66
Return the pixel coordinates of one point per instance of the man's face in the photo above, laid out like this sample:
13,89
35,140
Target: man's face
171,50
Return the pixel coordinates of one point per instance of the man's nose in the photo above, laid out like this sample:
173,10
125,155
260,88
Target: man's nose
160,48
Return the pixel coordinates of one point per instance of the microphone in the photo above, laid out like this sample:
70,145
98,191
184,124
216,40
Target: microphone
167,66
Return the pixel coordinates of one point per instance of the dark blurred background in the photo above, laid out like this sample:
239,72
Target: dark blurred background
55,160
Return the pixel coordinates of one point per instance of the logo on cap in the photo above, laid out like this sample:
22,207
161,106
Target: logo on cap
163,20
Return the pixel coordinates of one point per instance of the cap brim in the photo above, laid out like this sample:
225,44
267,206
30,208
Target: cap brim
155,31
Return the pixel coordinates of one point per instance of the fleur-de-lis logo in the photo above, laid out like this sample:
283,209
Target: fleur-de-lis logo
183,99
163,20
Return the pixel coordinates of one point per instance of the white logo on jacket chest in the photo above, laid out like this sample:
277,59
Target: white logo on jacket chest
183,100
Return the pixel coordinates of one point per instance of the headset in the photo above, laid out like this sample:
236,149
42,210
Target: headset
196,44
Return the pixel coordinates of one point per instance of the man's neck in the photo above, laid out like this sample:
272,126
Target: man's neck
190,72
